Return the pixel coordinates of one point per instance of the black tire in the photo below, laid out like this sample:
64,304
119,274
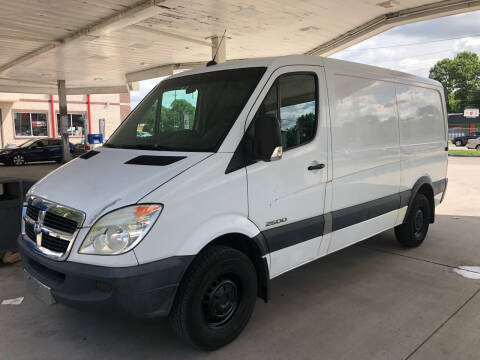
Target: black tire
414,230
18,160
477,147
215,299
458,143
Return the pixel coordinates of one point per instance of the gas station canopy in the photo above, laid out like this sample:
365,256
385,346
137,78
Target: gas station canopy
106,46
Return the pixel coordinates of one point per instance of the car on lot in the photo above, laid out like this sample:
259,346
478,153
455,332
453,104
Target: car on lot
473,143
462,140
46,149
82,147
250,171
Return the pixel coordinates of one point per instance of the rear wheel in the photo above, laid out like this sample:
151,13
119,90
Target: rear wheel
414,230
477,147
458,143
215,299
18,160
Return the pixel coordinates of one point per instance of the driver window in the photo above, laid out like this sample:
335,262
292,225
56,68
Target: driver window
292,100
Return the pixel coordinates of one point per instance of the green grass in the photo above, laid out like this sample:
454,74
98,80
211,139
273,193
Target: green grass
464,152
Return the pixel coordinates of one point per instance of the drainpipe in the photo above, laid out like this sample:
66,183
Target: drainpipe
52,111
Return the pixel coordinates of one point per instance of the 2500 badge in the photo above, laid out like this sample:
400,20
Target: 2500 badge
274,222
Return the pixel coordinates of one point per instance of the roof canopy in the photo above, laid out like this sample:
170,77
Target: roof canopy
105,46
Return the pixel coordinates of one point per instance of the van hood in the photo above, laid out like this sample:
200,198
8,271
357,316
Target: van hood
112,178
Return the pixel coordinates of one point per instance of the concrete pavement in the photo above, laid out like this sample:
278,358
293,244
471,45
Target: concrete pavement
374,300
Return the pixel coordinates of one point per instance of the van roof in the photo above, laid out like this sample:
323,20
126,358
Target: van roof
275,62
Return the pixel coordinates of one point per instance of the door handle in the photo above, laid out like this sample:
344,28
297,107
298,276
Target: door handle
316,167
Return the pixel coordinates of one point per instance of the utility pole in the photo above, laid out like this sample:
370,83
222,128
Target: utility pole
63,126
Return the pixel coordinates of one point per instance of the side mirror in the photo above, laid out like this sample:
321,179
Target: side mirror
267,139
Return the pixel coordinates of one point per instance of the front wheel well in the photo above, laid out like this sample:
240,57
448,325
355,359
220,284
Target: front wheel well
254,252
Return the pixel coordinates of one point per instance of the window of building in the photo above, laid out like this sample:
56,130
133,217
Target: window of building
75,125
292,100
30,124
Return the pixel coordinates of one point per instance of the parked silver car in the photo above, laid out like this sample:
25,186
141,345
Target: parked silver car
473,143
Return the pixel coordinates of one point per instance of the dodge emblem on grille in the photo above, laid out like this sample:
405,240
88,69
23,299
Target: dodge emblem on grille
37,228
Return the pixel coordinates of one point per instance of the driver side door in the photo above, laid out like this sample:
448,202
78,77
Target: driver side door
286,197
36,151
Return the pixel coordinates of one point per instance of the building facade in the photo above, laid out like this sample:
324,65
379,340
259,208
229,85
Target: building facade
459,125
28,116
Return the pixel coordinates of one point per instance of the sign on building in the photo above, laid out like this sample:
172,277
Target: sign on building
471,113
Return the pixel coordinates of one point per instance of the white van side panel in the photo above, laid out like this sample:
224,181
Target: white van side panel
365,150
422,134
365,141
361,231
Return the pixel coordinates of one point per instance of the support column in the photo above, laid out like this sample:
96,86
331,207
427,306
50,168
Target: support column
219,47
63,126
52,113
88,123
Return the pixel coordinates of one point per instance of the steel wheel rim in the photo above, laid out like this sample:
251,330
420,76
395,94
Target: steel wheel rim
418,221
221,301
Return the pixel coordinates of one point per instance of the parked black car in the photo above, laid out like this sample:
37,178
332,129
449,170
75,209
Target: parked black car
33,150
462,140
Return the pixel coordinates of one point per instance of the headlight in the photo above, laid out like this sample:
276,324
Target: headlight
121,230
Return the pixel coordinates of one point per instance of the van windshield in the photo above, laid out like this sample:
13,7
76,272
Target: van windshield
188,113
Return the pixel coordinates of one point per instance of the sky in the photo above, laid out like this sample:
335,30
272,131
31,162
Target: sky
412,48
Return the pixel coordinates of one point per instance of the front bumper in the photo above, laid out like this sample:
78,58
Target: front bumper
146,290
5,158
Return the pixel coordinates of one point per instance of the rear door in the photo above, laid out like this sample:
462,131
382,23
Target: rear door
54,150
36,151
286,197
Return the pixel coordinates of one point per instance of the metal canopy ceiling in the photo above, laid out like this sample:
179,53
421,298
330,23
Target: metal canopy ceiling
101,46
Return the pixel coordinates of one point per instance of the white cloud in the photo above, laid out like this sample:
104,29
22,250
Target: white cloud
421,44
144,88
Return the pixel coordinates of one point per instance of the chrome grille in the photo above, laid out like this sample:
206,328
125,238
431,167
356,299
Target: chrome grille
48,242
59,223
52,227
29,231
55,244
32,212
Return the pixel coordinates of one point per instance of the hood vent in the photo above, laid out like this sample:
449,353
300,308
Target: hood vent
154,160
89,154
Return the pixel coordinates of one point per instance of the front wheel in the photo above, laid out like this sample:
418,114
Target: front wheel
215,299
18,160
458,143
477,147
414,230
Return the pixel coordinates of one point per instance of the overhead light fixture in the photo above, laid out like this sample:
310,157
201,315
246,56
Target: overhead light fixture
140,46
388,4
247,11
98,57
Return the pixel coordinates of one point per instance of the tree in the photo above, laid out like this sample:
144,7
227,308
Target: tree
460,78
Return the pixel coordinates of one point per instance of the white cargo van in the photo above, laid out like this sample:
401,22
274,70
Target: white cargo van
225,177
